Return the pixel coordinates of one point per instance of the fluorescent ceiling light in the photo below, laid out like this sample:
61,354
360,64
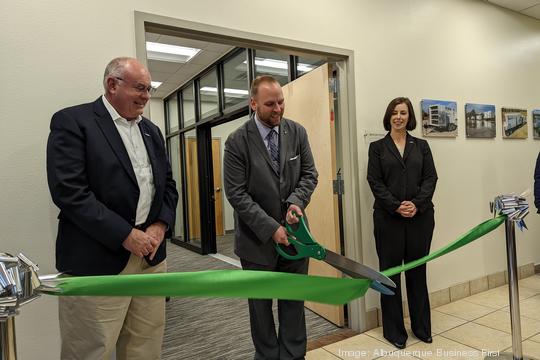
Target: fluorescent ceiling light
232,92
155,84
171,53
304,67
270,64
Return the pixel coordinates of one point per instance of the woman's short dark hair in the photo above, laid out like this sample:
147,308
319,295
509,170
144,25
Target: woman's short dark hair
411,124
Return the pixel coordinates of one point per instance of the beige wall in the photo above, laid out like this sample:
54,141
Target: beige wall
466,51
53,55
157,113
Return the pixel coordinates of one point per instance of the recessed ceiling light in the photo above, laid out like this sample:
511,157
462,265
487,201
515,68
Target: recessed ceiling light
304,67
155,84
276,64
267,64
227,90
171,53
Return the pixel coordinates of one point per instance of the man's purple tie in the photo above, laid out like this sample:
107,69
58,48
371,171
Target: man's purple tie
273,147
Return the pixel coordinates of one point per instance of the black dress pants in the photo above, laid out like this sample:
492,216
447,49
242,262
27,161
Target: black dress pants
291,340
401,240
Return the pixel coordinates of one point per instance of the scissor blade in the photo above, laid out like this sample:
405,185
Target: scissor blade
377,286
355,269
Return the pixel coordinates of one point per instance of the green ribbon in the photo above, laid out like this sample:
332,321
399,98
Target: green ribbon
220,283
245,283
473,234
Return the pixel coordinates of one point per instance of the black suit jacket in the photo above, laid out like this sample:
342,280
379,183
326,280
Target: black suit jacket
259,195
537,184
92,181
394,178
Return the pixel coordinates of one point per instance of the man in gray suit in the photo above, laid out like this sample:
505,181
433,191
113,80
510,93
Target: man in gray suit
269,178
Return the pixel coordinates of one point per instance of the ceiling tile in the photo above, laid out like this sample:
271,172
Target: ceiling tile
164,90
173,75
163,66
533,11
166,87
159,76
516,5
186,72
151,37
205,57
219,48
173,40
176,83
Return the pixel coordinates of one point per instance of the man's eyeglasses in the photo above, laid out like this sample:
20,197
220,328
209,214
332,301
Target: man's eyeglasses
141,88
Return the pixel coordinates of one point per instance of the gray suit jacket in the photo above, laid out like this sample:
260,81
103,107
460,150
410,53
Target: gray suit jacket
259,195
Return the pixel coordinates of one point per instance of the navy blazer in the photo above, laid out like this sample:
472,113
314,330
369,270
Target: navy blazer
92,181
394,178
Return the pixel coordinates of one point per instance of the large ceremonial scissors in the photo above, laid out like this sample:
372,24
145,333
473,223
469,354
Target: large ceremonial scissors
306,246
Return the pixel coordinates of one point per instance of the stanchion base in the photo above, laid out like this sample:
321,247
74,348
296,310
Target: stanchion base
507,356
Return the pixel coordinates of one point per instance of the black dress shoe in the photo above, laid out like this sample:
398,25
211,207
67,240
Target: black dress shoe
399,345
427,340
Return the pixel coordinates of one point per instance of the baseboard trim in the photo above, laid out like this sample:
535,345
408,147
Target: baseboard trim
458,291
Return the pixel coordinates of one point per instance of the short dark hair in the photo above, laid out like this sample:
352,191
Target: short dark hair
411,124
260,80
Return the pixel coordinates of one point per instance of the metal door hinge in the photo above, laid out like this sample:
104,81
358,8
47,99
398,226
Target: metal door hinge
332,85
339,187
338,184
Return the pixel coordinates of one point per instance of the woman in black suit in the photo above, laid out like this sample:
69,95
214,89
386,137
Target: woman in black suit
402,177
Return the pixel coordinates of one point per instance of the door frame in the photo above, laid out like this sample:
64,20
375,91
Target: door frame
346,136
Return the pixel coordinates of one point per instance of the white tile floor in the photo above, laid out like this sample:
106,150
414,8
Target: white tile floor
470,328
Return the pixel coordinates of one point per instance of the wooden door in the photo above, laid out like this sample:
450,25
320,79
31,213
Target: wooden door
192,175
194,216
309,102
218,188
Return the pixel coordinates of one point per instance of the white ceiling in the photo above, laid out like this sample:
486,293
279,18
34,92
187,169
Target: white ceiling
171,74
526,7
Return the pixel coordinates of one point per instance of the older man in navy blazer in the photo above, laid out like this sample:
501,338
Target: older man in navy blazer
108,173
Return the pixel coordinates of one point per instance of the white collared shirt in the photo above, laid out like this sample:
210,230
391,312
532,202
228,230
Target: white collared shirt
133,142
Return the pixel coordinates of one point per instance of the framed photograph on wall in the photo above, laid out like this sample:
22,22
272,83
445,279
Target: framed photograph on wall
480,121
514,123
439,118
536,124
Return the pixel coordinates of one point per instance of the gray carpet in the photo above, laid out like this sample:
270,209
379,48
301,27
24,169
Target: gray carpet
225,245
214,328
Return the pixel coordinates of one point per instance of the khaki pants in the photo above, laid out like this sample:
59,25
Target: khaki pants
92,327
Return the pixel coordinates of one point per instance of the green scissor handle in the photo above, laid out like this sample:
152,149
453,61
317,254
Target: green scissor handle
303,243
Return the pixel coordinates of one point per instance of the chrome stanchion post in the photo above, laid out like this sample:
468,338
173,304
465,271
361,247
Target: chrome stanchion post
18,286
515,208
513,288
8,347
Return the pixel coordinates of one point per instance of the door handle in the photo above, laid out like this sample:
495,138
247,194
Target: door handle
218,189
